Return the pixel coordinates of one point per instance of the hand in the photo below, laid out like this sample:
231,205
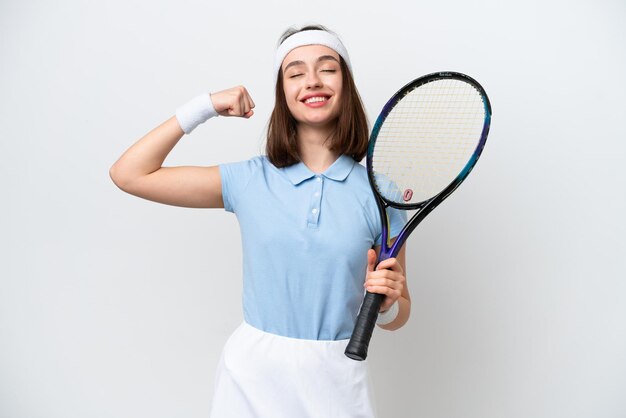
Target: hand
233,102
388,279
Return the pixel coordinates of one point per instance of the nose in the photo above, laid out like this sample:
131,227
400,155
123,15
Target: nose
313,80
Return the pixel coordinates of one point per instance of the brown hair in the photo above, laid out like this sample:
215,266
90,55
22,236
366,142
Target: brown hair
351,130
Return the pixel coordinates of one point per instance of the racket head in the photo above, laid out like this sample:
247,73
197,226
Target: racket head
427,139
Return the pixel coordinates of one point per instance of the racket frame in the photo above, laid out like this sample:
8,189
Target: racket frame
359,342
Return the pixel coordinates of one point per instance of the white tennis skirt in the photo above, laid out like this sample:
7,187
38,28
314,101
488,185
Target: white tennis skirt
264,375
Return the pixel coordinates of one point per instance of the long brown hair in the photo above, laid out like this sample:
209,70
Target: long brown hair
351,129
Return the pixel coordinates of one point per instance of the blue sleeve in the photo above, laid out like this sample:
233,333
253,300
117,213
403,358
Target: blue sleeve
397,220
235,178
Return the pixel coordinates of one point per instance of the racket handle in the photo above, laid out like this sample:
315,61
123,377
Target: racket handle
364,327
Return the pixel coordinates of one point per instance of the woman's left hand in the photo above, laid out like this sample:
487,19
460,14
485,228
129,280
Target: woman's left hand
387,279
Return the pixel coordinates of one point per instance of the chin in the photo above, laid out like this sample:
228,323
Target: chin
321,121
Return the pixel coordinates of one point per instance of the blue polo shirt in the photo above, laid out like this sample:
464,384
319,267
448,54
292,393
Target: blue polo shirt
305,238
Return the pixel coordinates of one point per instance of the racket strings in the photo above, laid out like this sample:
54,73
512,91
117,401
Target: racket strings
427,139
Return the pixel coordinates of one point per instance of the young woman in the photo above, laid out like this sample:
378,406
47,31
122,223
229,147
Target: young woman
310,231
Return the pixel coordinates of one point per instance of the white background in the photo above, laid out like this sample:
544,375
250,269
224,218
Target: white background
112,306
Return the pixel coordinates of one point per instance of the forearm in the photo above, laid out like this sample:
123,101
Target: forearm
147,155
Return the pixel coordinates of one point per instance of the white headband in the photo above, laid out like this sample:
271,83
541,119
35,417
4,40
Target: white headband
309,37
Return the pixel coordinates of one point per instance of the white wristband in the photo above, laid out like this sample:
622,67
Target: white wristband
389,315
198,110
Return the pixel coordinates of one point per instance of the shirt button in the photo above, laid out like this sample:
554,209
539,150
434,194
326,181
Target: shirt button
314,211
319,178
316,194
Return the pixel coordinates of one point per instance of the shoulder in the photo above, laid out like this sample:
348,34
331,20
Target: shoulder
357,187
235,178
243,166
360,171
358,179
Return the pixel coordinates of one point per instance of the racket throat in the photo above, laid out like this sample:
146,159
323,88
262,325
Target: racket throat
385,253
386,248
389,250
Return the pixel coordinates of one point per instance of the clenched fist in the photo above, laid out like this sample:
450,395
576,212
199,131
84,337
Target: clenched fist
235,101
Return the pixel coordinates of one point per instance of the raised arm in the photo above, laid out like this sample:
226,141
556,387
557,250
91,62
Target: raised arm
139,170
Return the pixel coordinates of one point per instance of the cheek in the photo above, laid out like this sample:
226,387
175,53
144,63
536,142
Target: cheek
338,88
291,96
290,90
339,97
290,99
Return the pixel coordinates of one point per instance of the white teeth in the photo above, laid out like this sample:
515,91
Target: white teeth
315,99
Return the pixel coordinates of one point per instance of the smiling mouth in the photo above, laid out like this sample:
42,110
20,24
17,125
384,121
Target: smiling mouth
316,99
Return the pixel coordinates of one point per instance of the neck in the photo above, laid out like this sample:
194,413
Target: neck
313,148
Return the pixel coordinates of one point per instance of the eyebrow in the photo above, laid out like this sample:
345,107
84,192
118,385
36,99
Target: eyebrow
322,58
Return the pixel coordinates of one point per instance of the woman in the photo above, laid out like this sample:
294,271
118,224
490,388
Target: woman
309,226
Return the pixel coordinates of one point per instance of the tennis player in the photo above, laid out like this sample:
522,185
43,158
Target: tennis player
309,227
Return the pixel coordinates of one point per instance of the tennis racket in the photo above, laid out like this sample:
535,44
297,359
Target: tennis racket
424,143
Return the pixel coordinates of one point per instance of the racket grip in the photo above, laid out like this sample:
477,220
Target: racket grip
364,327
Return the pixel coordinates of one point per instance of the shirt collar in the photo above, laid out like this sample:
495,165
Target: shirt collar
338,171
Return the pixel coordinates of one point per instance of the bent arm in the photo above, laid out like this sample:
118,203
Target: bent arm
139,172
